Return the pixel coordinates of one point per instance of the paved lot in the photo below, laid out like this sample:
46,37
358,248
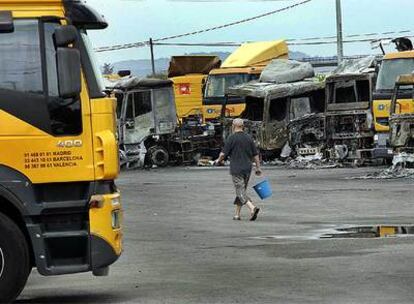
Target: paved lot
181,245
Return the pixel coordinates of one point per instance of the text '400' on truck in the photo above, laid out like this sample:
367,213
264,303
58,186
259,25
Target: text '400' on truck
59,207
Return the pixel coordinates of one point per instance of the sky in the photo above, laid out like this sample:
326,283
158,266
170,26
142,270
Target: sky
138,20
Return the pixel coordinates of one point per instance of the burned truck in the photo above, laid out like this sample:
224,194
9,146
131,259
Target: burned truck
270,107
147,123
402,115
307,127
349,119
287,91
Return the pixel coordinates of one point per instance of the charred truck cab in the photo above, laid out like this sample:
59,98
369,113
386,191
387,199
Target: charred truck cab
392,66
402,122
147,124
60,210
270,108
349,120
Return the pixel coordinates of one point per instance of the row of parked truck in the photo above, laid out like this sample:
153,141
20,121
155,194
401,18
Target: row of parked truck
177,120
352,114
362,111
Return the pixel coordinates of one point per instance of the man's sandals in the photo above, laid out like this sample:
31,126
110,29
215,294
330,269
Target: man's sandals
254,214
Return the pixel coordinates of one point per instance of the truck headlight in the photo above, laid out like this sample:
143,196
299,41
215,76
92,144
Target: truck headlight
376,137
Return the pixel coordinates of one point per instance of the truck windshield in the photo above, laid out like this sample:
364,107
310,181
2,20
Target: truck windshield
391,69
218,84
20,53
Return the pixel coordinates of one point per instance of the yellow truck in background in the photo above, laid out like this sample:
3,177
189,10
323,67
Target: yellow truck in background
243,65
392,66
189,74
60,209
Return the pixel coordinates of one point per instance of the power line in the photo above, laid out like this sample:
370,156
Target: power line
146,43
299,42
235,23
351,36
295,42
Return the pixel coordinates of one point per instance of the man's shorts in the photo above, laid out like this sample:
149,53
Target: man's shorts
240,184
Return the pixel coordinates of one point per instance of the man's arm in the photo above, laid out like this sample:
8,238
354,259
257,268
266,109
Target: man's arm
258,166
225,152
220,159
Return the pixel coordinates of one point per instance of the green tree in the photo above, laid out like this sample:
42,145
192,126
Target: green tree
108,69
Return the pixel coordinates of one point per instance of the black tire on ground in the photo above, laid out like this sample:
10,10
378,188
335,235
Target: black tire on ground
159,156
14,260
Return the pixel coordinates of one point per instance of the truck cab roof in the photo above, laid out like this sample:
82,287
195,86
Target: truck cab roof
399,55
256,54
78,13
137,83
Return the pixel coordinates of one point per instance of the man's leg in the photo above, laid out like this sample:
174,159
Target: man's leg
249,202
238,211
238,202
250,205
254,211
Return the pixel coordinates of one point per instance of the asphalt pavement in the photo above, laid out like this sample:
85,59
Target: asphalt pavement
182,246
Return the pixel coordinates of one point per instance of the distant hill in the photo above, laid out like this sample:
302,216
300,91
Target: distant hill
142,67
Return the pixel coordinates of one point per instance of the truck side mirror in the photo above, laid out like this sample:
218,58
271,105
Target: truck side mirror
65,35
6,22
69,72
68,62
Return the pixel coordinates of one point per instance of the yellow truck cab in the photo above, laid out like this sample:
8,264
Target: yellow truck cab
189,73
244,65
60,209
392,66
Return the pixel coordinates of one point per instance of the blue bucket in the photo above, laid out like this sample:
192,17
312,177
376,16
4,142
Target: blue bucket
263,189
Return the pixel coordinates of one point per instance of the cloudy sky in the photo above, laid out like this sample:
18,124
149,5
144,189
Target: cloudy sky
138,20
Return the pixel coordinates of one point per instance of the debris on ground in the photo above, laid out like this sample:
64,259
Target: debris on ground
402,167
316,161
205,162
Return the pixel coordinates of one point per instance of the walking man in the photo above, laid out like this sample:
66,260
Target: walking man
242,151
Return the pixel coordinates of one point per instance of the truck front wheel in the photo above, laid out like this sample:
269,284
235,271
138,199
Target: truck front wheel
14,260
159,156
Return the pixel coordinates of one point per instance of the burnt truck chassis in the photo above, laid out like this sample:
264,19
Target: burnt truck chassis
349,125
402,133
307,135
349,135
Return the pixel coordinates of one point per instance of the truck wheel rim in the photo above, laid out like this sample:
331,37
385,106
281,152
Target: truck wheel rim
1,262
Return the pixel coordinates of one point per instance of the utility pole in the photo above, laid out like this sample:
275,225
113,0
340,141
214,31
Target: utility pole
151,43
339,33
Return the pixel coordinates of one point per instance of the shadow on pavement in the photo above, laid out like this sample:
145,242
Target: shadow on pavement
84,298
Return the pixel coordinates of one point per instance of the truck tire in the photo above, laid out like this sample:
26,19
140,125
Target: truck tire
159,156
14,260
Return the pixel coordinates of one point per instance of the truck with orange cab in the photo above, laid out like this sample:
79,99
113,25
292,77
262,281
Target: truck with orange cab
392,66
243,65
